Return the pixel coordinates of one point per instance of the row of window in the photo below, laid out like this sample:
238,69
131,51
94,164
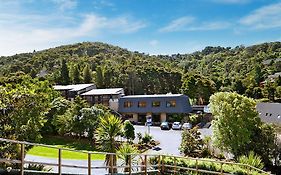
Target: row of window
143,104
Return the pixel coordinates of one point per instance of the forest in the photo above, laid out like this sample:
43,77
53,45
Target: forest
198,75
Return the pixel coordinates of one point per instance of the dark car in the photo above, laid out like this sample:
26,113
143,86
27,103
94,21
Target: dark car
164,126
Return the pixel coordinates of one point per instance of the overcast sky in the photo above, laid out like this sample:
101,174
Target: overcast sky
150,26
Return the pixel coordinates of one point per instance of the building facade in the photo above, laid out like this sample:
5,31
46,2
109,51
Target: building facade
107,97
73,90
138,107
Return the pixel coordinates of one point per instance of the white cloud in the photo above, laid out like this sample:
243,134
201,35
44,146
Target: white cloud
216,25
65,4
232,1
23,35
153,42
189,24
178,24
264,18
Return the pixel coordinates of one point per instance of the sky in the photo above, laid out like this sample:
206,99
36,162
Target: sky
148,26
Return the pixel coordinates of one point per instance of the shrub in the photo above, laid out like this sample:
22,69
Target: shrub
252,159
146,138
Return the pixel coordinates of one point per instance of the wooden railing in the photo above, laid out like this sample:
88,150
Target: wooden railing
160,166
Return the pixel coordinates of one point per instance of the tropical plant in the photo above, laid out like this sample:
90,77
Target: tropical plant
109,128
251,159
127,153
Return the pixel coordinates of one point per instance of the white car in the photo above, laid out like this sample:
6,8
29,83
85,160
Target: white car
176,126
186,126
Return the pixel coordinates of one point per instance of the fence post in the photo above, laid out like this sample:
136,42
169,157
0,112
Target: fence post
221,168
159,165
130,164
196,164
145,164
89,164
59,168
175,165
163,162
22,158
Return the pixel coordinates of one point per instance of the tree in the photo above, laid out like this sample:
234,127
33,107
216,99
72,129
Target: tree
64,73
258,75
239,87
99,77
109,128
129,130
191,143
257,93
22,113
198,87
71,121
235,122
90,120
76,79
87,76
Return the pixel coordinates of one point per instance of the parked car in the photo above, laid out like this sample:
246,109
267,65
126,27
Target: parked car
164,126
186,126
176,126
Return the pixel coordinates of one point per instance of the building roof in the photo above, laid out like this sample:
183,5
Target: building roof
269,112
72,87
154,96
109,91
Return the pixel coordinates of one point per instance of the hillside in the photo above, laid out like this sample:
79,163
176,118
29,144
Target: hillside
139,73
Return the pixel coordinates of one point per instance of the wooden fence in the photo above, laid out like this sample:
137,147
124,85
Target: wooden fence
159,166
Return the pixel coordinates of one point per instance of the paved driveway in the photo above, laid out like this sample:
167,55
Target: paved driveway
169,139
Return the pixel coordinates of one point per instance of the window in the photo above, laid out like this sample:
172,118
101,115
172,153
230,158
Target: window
171,103
142,104
128,104
156,104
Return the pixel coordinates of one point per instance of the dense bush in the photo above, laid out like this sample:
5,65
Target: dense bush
202,165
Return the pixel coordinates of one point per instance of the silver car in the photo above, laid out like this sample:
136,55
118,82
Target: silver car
186,126
176,126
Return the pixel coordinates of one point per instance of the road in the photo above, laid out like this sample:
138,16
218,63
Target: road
169,139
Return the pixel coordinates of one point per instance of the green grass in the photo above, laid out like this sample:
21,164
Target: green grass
64,142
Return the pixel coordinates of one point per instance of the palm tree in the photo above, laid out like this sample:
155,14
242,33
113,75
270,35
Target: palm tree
109,128
125,153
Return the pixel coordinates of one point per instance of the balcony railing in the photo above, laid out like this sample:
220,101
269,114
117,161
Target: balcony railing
136,164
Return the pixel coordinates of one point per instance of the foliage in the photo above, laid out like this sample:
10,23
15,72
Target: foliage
146,139
90,120
38,167
235,121
109,128
64,74
191,143
125,153
71,120
129,130
23,109
252,159
202,164
87,74
238,129
192,82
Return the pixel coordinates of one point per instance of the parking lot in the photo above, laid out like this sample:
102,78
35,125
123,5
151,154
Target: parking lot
169,139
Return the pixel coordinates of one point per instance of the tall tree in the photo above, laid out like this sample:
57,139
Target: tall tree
99,77
64,73
109,128
87,74
258,75
76,75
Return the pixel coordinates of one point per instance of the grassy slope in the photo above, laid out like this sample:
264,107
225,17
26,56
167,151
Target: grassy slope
62,142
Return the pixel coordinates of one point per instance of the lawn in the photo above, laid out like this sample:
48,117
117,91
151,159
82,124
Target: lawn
64,142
